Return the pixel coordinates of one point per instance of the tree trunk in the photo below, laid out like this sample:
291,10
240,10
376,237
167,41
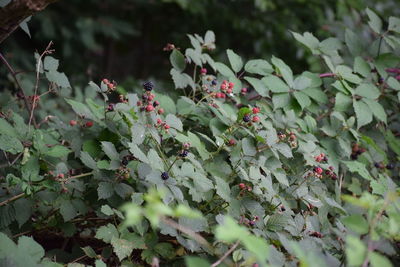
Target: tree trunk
17,11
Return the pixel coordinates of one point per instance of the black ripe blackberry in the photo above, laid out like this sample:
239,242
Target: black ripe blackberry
125,161
184,153
164,175
148,86
214,82
246,118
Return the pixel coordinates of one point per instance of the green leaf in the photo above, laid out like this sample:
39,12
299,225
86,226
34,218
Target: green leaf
363,113
358,167
342,102
302,99
355,251
196,262
280,175
230,231
316,94
362,67
88,160
105,190
166,250
223,189
367,90
377,109
123,248
67,210
356,223
394,143
89,252
284,69
378,260
258,66
174,122
280,100
224,70
353,43
6,128
235,60
181,80
10,144
307,39
110,150
58,78
177,60
107,232
50,63
80,109
31,248
394,24
374,21
58,151
258,85
100,263
275,84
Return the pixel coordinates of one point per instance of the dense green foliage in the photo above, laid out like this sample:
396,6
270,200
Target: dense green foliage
252,164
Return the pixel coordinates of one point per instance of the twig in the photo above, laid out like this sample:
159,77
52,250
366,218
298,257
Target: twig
14,74
45,52
189,232
5,202
218,262
327,75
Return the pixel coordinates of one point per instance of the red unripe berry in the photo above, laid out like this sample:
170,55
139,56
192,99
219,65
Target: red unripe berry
203,71
61,175
242,186
223,86
106,81
256,110
150,97
149,108
160,111
166,127
229,91
89,124
244,90
159,121
318,170
218,95
331,168
139,103
256,119
231,85
222,95
232,142
72,122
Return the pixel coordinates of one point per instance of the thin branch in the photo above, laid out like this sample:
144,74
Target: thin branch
198,238
39,62
14,75
218,262
11,199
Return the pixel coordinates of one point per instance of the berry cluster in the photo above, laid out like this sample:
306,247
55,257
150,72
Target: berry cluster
111,86
291,138
316,234
244,188
356,151
321,158
381,165
252,117
123,173
163,125
148,102
248,222
87,124
184,151
318,172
